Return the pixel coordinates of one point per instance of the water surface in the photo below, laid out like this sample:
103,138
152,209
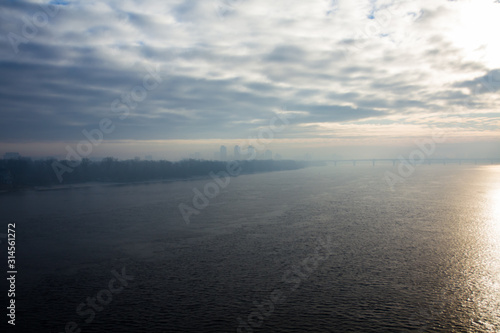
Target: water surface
344,252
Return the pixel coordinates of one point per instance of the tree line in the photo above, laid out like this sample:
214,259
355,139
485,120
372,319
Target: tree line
25,172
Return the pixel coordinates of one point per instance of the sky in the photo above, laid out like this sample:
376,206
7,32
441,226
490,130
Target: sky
328,78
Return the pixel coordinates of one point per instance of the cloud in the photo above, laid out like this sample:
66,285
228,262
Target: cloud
226,66
484,84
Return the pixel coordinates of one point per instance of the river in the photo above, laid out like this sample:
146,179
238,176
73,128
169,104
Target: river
323,249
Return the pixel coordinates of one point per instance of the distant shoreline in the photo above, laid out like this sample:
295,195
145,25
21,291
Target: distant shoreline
91,184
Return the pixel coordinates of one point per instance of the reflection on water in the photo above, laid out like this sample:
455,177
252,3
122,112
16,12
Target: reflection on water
493,204
423,258
488,274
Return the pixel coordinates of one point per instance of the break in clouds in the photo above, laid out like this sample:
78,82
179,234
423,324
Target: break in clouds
353,73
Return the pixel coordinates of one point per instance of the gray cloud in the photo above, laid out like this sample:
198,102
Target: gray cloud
488,83
223,76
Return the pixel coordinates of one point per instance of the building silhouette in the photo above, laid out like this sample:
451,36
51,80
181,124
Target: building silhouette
223,153
195,156
237,152
251,152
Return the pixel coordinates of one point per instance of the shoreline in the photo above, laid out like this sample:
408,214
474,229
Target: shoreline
86,185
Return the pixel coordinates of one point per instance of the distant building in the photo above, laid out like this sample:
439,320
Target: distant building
195,156
223,153
277,157
251,152
237,152
11,156
148,157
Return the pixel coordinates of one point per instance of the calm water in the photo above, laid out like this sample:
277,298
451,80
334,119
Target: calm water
317,250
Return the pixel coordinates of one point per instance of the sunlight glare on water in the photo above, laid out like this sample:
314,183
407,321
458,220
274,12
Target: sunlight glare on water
493,206
490,300
495,210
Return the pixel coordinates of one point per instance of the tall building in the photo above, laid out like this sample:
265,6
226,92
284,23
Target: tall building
251,152
223,153
237,152
195,156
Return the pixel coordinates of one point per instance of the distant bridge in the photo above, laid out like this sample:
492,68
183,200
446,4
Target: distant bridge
429,161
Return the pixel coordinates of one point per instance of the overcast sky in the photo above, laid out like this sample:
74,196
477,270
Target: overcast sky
176,76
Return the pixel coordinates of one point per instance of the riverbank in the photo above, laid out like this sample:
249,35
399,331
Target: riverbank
91,184
19,174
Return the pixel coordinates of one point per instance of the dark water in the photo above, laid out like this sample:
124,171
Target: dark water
316,250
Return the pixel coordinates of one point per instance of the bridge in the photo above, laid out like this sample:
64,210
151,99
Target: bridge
429,161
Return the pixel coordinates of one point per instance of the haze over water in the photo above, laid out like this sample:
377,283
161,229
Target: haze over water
121,122
424,257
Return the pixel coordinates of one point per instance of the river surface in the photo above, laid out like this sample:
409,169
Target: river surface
325,249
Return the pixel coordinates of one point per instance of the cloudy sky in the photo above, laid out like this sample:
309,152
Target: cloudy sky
169,78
